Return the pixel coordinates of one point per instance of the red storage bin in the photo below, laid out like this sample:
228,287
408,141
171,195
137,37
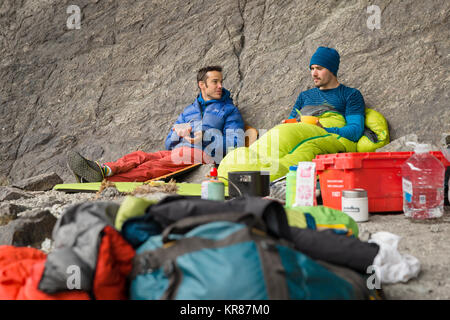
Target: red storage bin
379,173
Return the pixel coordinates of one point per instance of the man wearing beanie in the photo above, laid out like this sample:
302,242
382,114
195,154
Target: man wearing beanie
349,102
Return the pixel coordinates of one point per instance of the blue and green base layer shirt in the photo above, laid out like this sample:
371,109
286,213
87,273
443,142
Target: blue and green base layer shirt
347,101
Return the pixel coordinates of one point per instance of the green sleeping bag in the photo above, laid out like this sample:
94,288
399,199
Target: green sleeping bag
288,144
376,133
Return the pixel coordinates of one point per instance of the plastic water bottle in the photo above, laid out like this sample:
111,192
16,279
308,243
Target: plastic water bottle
423,185
291,183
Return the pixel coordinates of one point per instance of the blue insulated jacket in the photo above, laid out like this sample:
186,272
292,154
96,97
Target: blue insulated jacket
220,121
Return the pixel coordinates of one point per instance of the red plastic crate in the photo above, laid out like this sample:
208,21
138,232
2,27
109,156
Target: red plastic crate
379,173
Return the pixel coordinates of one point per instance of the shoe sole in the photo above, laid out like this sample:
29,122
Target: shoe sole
83,168
77,177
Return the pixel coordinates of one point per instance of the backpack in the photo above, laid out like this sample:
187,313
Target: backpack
229,256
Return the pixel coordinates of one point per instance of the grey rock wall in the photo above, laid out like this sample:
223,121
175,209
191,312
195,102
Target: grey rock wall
117,84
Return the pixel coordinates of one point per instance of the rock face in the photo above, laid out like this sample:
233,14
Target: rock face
118,83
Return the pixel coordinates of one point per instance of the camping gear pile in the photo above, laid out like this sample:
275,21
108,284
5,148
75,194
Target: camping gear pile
190,248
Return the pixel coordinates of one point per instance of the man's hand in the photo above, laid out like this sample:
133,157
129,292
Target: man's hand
182,129
198,136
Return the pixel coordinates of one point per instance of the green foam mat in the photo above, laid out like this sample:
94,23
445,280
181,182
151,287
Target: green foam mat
184,189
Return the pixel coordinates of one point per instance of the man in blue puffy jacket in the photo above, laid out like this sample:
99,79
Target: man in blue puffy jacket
349,102
202,133
212,122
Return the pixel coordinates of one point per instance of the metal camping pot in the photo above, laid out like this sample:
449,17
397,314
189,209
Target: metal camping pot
356,204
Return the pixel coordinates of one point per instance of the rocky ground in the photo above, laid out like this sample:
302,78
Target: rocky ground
429,242
37,211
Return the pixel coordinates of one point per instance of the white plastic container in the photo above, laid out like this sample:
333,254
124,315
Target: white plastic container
356,204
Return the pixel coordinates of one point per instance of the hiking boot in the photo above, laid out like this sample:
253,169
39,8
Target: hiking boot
84,169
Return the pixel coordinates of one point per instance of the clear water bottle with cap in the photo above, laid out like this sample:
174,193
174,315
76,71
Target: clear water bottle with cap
423,184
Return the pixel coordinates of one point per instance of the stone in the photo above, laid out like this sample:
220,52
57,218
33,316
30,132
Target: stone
400,144
9,211
435,228
11,193
110,192
48,201
30,229
405,143
4,180
42,182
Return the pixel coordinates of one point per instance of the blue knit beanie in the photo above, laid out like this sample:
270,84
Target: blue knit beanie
327,58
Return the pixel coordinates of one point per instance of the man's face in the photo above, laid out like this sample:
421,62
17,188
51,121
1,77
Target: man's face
321,76
211,88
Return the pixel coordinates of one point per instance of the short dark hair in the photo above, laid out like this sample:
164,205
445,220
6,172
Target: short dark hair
201,75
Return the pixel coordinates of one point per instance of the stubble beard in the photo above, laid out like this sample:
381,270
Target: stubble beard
321,83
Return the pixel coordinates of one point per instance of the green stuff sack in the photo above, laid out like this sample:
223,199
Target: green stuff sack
296,218
325,218
131,207
376,133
